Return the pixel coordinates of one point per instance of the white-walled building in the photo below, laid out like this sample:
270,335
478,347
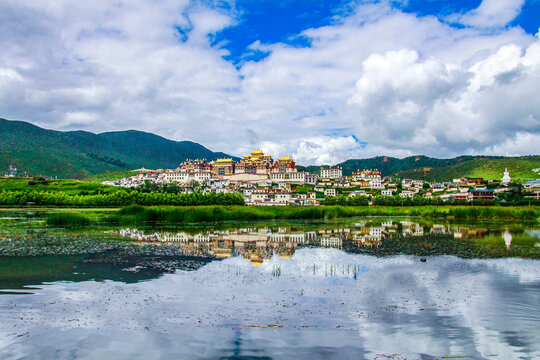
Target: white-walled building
294,177
185,177
358,193
376,184
406,193
330,192
331,173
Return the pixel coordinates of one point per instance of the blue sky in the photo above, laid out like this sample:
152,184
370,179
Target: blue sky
283,21
322,81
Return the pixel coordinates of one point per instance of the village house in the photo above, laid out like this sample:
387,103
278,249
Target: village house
406,183
532,184
376,184
460,196
407,194
330,192
481,194
358,193
534,194
293,177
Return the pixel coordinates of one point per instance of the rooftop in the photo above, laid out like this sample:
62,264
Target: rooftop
225,160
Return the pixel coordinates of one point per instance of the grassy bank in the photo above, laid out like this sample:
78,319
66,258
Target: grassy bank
67,187
236,213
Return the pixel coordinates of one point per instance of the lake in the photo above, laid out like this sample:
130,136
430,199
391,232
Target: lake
362,288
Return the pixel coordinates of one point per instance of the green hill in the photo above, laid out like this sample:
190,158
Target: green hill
488,168
390,165
79,154
433,169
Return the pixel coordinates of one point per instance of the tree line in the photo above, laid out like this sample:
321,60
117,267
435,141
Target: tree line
119,198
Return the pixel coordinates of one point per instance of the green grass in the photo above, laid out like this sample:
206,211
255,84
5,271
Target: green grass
110,176
69,187
189,214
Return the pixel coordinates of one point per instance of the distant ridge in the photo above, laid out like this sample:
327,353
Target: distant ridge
432,169
81,154
78,154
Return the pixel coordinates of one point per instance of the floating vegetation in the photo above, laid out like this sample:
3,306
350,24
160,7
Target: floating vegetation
68,219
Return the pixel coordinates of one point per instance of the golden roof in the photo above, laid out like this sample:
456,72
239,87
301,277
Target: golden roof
224,160
284,158
256,152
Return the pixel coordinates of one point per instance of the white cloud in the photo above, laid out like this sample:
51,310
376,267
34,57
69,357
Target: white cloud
491,13
404,84
406,102
521,144
320,150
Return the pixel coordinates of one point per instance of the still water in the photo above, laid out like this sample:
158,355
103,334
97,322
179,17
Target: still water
356,289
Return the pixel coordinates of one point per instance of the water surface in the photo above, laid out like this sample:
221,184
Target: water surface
369,288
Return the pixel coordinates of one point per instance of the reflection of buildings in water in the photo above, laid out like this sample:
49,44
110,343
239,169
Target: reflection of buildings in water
332,241
253,244
372,237
438,229
334,237
257,244
462,232
412,228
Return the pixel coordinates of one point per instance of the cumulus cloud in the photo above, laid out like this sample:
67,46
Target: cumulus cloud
320,150
376,82
450,107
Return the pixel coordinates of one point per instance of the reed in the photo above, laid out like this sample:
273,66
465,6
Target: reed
67,219
195,214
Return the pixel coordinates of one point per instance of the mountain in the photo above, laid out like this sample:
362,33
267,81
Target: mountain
488,168
433,169
78,154
390,165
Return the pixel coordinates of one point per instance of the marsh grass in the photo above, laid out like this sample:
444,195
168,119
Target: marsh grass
195,214
68,219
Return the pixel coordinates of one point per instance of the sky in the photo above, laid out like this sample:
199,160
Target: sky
322,81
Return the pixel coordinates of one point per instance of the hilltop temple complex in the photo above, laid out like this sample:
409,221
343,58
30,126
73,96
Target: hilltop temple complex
259,166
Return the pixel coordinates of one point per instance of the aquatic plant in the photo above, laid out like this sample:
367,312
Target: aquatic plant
196,214
67,219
